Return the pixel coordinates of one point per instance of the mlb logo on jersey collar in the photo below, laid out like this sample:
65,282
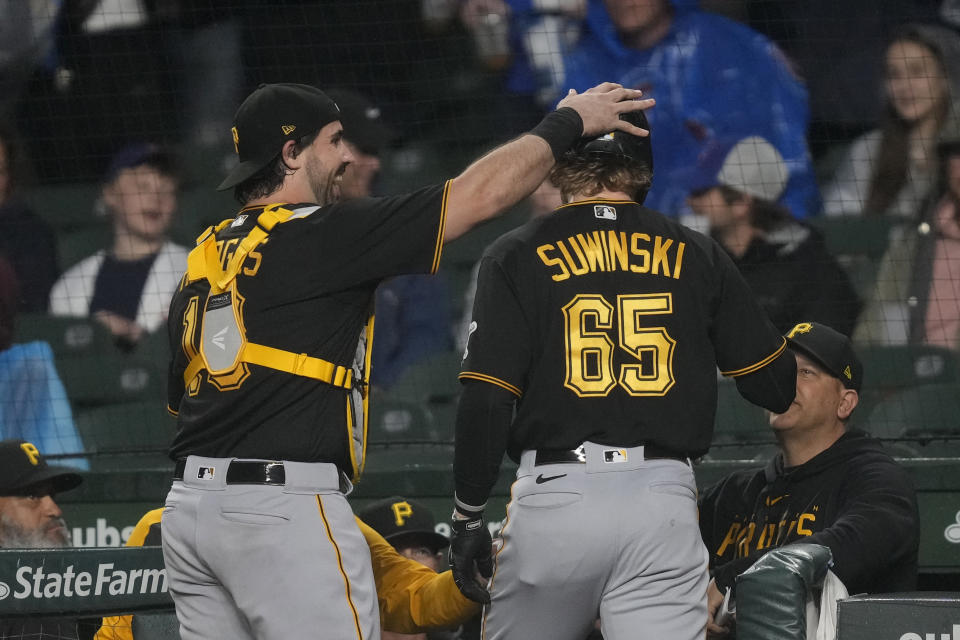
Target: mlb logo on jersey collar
604,212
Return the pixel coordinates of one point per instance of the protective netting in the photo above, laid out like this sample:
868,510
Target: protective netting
856,224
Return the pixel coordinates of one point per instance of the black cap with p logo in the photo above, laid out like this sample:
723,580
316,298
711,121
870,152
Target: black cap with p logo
268,118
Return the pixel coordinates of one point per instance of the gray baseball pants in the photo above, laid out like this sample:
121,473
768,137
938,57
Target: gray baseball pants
615,537
248,561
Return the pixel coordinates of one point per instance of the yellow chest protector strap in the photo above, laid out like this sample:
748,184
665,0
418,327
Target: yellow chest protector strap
204,263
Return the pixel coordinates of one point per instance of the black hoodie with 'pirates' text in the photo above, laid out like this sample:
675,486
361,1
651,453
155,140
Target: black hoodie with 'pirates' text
852,497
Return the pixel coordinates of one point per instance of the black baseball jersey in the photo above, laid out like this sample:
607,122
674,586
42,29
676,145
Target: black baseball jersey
852,497
307,289
608,321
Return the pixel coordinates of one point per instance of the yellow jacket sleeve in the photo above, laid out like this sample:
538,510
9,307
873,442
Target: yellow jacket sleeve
413,598
121,627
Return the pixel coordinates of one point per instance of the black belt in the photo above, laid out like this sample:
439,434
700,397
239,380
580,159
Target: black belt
267,472
650,452
245,472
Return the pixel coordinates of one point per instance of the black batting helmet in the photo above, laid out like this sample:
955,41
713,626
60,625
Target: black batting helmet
619,143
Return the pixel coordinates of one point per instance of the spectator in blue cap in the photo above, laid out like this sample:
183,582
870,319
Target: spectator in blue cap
128,286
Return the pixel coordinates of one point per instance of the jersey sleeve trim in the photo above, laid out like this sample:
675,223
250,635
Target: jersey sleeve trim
438,249
473,375
759,365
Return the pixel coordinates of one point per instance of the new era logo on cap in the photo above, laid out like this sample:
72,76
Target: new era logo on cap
288,129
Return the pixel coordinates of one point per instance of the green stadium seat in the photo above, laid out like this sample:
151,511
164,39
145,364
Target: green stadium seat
394,420
130,435
906,366
858,242
66,206
890,369
433,383
742,430
108,378
433,379
66,336
856,235
920,421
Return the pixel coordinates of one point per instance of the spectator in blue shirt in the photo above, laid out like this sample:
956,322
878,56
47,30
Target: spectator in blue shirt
712,77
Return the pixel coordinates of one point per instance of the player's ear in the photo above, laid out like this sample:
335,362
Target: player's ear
849,399
290,154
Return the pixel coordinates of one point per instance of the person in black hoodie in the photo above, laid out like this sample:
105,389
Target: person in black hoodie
737,186
829,485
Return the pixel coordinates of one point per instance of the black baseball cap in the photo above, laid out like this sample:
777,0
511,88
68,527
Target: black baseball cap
362,120
404,522
22,466
830,349
271,115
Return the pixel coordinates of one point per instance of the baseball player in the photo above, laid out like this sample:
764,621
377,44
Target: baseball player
271,332
592,361
829,485
411,597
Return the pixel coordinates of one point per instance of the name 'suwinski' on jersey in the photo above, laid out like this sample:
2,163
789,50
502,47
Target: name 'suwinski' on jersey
307,289
608,321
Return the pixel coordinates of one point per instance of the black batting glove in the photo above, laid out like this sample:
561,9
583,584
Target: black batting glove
470,544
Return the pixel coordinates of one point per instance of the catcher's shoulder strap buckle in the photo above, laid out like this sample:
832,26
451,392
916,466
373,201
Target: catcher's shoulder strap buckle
223,342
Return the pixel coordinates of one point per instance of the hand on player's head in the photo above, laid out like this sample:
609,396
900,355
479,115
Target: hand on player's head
600,108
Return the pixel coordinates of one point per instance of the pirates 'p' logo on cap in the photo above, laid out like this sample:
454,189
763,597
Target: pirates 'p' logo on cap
401,511
803,327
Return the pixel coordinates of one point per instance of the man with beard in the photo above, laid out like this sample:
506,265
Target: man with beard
269,377
31,519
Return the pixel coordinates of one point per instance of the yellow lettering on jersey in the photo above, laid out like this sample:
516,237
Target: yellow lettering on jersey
251,270
578,270
766,537
553,262
744,540
401,511
188,340
613,251
226,249
619,254
730,538
660,248
803,530
780,534
606,251
676,266
593,251
32,453
584,266
643,254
